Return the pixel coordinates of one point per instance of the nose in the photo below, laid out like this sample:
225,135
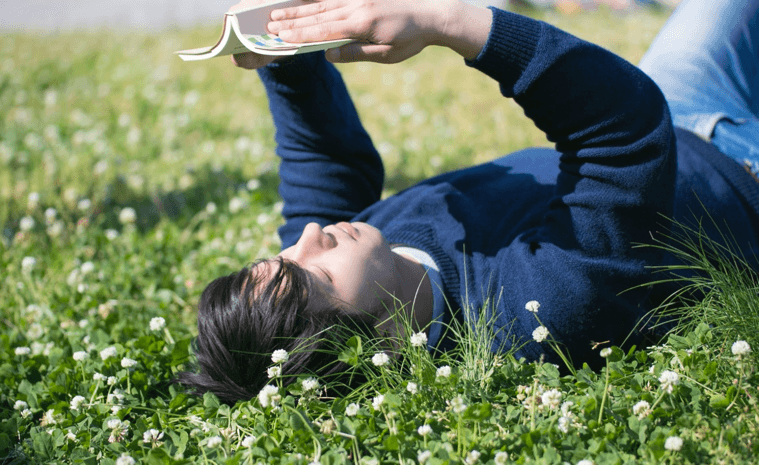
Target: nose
312,242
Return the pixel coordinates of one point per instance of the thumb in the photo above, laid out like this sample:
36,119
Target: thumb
360,52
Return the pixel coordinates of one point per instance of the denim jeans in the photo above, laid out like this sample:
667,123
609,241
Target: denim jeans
706,61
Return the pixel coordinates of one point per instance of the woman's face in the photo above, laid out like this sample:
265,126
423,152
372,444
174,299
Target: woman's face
351,262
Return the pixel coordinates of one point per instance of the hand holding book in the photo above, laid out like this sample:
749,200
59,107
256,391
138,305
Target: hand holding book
385,31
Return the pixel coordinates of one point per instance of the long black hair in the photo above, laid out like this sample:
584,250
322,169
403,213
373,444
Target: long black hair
243,318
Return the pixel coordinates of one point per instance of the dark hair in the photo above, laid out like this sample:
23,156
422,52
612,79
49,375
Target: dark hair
242,320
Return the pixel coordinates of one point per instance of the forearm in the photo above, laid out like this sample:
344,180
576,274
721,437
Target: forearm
330,170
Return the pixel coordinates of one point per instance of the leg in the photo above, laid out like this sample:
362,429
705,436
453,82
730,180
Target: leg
706,61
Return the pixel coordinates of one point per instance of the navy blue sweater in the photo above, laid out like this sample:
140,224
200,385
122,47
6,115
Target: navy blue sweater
556,226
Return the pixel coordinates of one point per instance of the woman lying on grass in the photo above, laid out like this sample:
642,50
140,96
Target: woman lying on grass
554,226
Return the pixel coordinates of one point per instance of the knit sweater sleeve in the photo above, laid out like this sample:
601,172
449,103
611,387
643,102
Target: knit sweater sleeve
612,128
329,170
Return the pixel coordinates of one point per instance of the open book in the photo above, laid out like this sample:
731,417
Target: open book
245,31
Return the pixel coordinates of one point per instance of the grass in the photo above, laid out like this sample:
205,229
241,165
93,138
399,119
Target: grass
97,125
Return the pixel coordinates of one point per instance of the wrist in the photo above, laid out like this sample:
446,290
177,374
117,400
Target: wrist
462,27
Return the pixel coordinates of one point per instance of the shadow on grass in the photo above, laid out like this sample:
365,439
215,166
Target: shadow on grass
179,206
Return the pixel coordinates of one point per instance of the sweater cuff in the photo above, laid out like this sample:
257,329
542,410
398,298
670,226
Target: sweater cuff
294,71
510,47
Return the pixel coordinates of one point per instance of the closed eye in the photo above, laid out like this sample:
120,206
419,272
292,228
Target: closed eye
326,274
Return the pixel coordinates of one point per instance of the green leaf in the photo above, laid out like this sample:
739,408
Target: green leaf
178,401
157,456
478,412
210,404
718,401
43,444
5,444
180,353
391,443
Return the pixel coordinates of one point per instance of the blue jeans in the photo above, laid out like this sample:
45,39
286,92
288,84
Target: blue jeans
706,61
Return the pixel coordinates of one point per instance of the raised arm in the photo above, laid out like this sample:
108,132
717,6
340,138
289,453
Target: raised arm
330,170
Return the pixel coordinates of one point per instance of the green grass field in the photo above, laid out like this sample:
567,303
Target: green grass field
130,179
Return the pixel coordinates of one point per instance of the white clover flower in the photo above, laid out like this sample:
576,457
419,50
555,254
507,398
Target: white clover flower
111,234
565,408
551,398
33,200
128,362
55,229
424,430
472,457
269,396
412,387
125,460
28,264
673,443
210,208
214,441
352,409
642,409
127,215
26,413
380,359
152,435
668,380
585,462
274,372
740,348
98,377
501,458
87,267
423,456
49,418
20,405
115,396
253,184
606,352
50,214
108,352
112,380
280,356
23,350
564,423
443,372
236,204
310,384
84,205
377,402
157,323
80,355
114,423
419,339
76,402
532,306
540,334
248,441
26,223
458,405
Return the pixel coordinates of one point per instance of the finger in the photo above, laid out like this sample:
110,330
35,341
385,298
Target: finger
308,21
362,52
318,32
309,9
